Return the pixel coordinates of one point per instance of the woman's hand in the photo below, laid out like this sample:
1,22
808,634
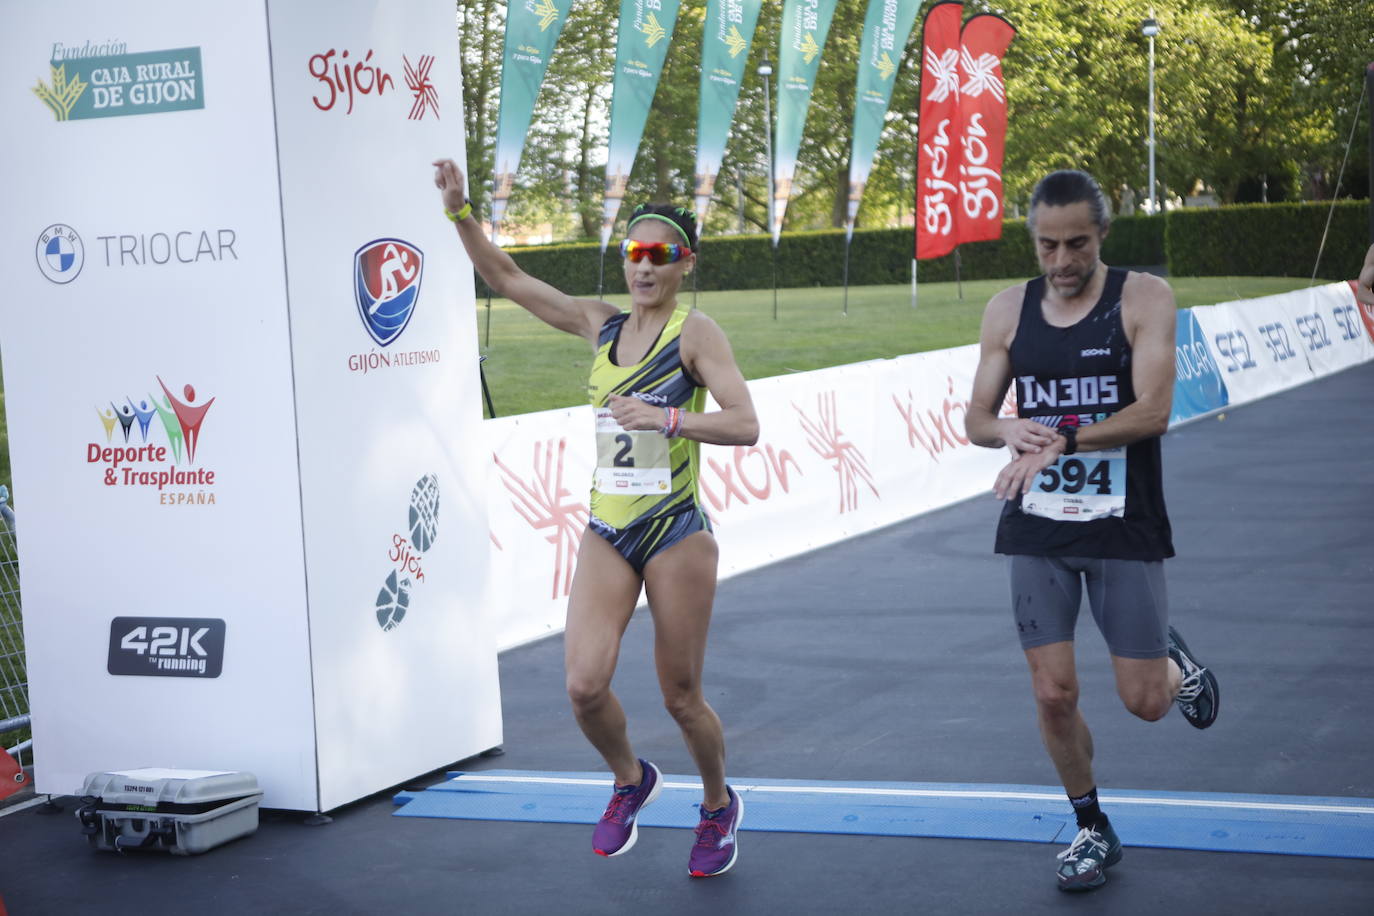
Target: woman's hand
634,414
452,184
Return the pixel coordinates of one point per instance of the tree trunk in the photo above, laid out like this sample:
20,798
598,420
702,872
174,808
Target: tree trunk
587,186
839,209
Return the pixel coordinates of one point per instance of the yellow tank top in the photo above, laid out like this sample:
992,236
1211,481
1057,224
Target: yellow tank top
640,475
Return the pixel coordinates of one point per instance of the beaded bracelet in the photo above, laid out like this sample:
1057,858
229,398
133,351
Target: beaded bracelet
672,422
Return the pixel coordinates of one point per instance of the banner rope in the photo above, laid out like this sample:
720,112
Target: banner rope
1335,194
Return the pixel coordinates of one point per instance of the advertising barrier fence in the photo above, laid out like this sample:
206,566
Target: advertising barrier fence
853,448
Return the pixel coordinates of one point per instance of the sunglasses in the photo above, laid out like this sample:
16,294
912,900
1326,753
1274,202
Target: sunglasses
658,252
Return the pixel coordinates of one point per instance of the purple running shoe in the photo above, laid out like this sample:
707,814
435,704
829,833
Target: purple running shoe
618,828
716,848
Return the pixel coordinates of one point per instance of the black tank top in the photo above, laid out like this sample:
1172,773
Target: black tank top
1081,375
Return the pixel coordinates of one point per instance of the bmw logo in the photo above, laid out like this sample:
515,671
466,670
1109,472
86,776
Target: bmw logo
60,253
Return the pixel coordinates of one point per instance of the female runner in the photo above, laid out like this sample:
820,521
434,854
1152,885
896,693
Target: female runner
652,369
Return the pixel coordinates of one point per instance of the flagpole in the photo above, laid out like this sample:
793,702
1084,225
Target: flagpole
958,277
766,70
848,235
915,215
487,342
601,272
775,282
695,272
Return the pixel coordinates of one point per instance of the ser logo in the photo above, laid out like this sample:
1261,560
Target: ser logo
1234,348
166,646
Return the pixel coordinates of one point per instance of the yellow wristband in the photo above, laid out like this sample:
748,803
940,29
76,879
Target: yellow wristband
462,214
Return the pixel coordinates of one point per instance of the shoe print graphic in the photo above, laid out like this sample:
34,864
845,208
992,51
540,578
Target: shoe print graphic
407,553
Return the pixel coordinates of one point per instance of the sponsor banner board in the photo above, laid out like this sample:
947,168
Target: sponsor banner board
1327,319
1198,386
1255,347
149,395
393,482
841,451
242,391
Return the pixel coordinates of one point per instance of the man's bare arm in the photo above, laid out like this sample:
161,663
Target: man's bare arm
1364,287
991,379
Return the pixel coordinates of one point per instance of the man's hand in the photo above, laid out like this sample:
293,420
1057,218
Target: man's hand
449,179
632,413
1025,436
1016,478
1364,289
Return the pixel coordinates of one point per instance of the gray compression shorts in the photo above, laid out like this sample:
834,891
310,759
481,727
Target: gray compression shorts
1127,598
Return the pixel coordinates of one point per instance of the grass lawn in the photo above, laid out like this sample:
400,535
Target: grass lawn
532,367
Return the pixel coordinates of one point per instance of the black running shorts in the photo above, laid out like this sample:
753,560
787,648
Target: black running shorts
1127,598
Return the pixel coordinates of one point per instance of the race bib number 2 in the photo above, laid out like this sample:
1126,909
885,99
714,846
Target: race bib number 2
629,462
1080,487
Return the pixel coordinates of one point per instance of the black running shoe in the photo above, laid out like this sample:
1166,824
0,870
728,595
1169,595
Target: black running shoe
1083,866
1198,697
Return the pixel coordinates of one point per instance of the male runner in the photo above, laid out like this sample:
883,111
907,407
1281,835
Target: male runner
1091,349
1364,287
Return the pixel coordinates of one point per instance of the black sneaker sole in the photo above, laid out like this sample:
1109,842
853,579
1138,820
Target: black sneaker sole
1207,676
1071,886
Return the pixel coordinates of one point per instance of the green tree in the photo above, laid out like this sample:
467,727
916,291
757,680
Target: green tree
1250,94
1078,97
481,27
1320,51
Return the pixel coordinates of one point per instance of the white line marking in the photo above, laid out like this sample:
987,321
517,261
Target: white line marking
1162,800
20,806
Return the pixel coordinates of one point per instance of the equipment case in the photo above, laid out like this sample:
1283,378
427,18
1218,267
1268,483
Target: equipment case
182,811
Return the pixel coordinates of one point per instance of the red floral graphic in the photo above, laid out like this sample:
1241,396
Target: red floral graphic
417,80
826,439
546,504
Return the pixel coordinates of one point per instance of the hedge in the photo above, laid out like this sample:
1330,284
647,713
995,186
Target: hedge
1268,240
1247,240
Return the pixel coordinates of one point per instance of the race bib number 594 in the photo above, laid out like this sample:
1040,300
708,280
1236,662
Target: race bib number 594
1080,487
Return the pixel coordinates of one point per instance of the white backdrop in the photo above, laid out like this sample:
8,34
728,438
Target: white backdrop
145,244
422,693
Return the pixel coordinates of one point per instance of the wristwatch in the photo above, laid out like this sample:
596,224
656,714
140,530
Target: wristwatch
1070,434
463,212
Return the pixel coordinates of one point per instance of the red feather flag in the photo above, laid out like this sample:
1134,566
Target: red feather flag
941,147
982,127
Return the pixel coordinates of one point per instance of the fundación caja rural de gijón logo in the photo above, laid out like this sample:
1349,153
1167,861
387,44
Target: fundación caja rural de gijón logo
103,80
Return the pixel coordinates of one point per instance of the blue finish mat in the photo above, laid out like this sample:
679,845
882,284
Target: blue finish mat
1278,824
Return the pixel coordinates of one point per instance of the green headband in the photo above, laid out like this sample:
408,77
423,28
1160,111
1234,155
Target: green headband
680,231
